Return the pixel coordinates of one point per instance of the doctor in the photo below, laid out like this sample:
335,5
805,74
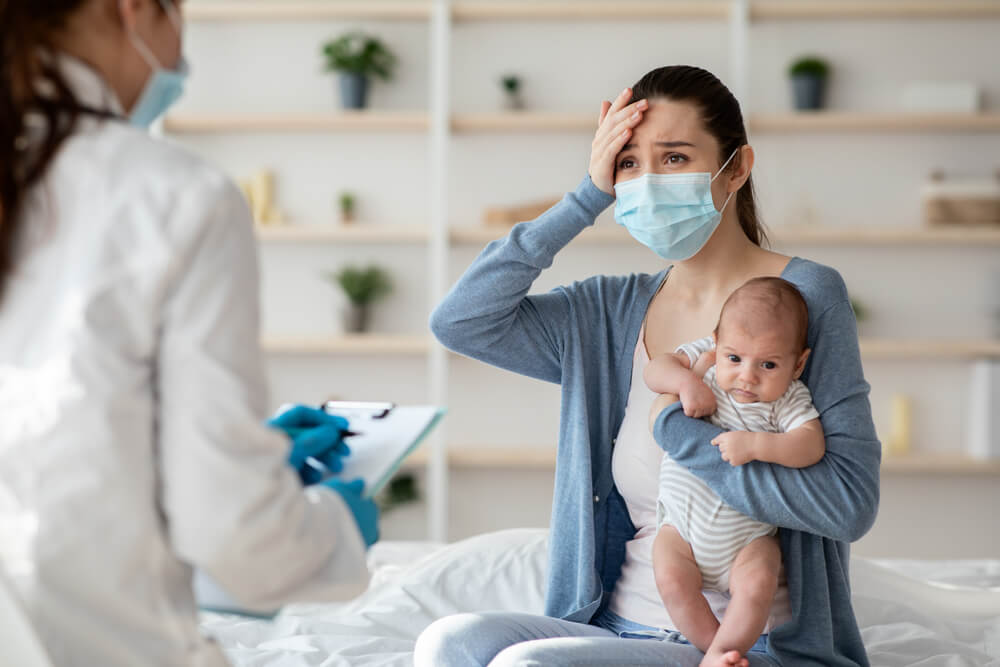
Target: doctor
131,387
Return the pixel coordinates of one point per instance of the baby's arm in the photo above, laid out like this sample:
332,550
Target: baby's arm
672,376
798,448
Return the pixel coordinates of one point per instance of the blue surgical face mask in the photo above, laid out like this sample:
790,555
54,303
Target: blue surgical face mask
672,214
164,86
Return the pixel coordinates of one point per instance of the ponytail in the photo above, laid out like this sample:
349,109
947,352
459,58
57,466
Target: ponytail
38,111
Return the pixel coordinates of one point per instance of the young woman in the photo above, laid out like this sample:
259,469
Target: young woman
676,151
131,384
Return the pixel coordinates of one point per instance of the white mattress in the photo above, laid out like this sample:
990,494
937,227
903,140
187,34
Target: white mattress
924,613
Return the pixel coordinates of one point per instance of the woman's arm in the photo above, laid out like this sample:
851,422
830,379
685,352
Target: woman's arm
837,497
488,314
233,505
801,447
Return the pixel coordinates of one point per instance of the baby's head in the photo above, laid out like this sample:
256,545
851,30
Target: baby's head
761,340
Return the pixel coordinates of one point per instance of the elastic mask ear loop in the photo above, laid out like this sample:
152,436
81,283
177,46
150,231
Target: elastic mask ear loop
143,49
721,169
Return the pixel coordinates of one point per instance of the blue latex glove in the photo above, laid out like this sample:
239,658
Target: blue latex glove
317,441
364,509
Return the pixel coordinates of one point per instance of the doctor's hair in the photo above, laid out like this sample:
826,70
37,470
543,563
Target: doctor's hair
775,299
38,110
722,118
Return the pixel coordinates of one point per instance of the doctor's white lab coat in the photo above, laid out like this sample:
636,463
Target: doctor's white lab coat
131,405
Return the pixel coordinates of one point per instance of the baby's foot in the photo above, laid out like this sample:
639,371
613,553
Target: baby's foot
724,659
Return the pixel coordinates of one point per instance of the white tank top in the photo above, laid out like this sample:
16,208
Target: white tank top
635,467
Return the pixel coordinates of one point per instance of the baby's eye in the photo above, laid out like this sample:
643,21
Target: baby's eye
769,365
733,358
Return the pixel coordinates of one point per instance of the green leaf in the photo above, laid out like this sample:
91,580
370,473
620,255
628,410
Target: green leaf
809,65
359,53
362,286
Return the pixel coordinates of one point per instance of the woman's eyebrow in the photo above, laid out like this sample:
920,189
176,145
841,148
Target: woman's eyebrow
662,144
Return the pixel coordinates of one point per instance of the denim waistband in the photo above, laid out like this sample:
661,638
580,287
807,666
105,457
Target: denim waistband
627,629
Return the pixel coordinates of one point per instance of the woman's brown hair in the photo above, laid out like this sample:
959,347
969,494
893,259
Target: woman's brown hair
38,110
723,119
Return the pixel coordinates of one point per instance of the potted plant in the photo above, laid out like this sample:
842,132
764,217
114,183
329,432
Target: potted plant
357,57
808,75
401,490
511,84
346,200
362,288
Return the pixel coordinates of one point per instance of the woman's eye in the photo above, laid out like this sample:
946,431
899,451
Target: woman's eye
626,163
769,365
733,359
676,158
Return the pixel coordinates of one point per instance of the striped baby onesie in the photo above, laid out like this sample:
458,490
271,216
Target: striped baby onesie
715,531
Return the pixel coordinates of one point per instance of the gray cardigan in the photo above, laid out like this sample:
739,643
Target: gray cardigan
582,337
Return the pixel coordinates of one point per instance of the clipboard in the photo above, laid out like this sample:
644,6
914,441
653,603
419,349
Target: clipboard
385,434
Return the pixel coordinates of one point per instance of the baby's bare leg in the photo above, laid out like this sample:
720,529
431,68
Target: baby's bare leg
753,581
678,581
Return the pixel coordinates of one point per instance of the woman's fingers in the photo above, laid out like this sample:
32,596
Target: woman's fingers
605,105
614,117
617,120
615,125
621,100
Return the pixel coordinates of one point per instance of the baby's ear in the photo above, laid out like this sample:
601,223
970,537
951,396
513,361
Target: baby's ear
801,364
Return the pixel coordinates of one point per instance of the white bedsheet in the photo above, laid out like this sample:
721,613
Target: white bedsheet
931,614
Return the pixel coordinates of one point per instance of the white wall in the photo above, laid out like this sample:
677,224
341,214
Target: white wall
832,179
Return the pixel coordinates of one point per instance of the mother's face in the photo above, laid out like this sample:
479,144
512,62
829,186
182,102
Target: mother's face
671,139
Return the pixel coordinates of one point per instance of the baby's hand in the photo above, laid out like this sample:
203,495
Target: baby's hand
697,398
736,447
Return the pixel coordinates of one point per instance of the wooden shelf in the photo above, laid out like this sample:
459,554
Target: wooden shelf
880,235
482,234
416,10
588,10
341,121
542,121
819,235
860,121
263,10
940,350
356,232
872,9
524,121
395,344
542,457
519,458
936,464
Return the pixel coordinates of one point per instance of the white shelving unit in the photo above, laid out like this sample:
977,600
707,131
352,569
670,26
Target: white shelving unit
440,123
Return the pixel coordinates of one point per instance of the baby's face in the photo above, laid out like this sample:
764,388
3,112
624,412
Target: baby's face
757,367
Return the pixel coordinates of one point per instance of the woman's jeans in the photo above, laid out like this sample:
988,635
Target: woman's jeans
502,639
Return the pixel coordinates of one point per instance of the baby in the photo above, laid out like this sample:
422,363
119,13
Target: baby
744,378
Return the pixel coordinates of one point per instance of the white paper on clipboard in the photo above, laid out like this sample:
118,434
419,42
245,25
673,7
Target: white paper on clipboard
385,438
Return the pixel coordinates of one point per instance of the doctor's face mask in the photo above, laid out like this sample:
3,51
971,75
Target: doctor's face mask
164,86
671,214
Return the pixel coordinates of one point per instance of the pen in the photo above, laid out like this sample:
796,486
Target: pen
295,432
